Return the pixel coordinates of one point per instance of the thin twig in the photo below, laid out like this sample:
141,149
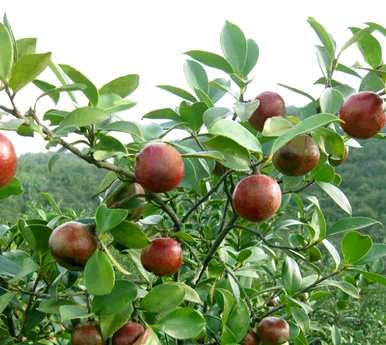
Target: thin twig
310,183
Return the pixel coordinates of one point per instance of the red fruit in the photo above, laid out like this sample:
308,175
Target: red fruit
297,157
87,334
257,197
251,338
126,196
128,334
159,168
72,244
273,331
271,104
8,161
162,257
362,115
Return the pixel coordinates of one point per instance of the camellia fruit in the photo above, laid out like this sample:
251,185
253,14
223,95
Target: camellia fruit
8,161
162,257
251,338
87,334
273,331
362,115
297,157
126,196
159,168
72,244
271,104
257,197
128,334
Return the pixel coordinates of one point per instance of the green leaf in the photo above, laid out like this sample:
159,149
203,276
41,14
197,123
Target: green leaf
211,60
12,188
107,219
355,246
252,57
234,46
163,114
130,235
70,312
309,124
236,132
192,114
25,46
7,53
244,110
331,100
335,336
99,276
300,92
344,286
337,195
119,299
27,69
122,86
211,115
196,76
324,61
291,276
191,295
377,251
110,323
371,82
183,323
5,299
82,117
351,223
216,155
235,156
324,36
163,298
51,306
276,126
36,235
374,277
228,302
178,92
46,87
239,321
90,90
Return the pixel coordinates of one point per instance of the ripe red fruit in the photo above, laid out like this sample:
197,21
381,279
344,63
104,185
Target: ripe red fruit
8,161
362,115
72,244
126,196
297,157
128,334
251,338
271,104
257,197
159,167
273,331
87,334
162,257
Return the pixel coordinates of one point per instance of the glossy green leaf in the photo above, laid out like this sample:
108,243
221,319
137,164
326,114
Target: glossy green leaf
82,117
374,277
276,126
110,323
344,286
331,100
351,223
27,69
130,235
109,218
239,321
192,114
163,114
122,86
163,297
196,76
5,299
7,53
70,312
77,77
372,82
252,57
300,92
12,188
323,35
234,46
99,276
178,92
236,132
183,323
211,115
377,251
244,110
337,195
355,246
211,60
25,46
291,276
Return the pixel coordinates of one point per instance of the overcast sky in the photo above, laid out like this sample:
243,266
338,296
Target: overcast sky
107,39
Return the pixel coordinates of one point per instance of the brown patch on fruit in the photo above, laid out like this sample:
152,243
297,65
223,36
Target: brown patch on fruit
273,331
87,334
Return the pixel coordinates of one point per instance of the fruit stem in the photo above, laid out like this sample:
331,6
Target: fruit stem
113,260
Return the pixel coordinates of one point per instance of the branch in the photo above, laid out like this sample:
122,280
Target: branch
166,208
301,188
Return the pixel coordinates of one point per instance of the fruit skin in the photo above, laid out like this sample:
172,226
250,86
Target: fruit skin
87,334
362,115
8,161
72,244
123,195
257,197
271,104
251,338
128,334
162,257
273,331
159,168
297,157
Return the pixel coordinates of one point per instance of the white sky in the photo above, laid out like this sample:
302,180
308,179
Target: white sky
107,39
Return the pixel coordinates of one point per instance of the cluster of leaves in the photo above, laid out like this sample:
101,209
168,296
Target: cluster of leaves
231,266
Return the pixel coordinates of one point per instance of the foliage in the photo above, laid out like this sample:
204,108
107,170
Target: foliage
231,266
